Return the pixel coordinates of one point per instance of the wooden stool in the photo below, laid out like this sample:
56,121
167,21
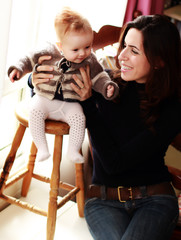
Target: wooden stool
58,129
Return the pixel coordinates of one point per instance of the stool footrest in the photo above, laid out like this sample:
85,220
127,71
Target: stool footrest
68,197
24,205
62,185
41,178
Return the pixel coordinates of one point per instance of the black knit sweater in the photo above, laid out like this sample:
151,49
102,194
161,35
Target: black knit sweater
125,151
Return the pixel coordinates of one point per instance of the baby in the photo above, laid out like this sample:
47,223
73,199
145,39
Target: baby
73,50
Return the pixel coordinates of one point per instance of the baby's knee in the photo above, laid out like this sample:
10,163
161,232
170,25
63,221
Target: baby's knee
36,113
77,118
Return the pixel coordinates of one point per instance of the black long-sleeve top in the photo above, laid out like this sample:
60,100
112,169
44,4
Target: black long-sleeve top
125,151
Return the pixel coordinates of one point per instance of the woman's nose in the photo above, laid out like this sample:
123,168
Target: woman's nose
123,55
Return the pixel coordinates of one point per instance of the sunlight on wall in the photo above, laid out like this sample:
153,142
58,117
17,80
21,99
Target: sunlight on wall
99,13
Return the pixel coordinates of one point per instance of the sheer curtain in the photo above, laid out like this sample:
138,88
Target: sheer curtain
5,13
18,20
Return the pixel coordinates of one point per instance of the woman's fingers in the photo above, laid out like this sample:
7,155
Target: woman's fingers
39,75
43,58
79,82
84,86
85,82
44,68
40,78
85,73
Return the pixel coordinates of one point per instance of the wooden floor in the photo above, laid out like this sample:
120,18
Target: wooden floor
19,224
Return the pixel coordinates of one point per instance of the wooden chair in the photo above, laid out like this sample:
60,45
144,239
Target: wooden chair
107,35
59,129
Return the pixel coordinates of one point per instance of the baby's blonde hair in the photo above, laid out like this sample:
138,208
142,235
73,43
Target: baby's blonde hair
68,20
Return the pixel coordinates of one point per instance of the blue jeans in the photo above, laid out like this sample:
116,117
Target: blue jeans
150,218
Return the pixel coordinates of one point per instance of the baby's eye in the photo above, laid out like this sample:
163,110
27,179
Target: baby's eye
75,50
87,47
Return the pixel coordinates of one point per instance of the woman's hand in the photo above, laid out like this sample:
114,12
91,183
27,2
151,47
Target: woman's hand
38,76
84,89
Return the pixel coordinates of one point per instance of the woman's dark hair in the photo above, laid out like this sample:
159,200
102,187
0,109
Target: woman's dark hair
161,42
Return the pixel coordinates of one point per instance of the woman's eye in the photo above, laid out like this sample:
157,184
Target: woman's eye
134,51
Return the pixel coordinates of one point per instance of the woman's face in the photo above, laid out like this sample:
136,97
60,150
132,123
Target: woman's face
133,62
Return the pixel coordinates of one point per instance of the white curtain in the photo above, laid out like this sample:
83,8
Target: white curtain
24,23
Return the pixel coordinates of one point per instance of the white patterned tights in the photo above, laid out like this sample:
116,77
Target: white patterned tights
42,108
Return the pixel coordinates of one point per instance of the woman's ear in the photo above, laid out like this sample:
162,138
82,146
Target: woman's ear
162,64
159,63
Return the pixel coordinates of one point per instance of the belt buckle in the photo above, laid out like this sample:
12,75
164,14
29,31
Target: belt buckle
130,193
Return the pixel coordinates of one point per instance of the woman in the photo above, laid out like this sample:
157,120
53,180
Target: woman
131,197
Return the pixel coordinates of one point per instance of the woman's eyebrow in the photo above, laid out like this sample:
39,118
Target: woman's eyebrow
133,46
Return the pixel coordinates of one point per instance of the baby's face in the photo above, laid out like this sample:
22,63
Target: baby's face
76,46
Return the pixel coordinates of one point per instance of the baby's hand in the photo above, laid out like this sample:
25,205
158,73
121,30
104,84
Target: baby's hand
110,90
14,75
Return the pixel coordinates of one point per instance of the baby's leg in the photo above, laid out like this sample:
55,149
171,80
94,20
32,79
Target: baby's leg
39,110
76,120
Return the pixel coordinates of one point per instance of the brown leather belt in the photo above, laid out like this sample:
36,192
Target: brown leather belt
124,194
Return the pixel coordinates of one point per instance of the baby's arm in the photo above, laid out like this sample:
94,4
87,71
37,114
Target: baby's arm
26,64
110,90
20,68
101,81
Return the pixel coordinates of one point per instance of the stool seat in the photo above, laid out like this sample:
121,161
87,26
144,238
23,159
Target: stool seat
59,129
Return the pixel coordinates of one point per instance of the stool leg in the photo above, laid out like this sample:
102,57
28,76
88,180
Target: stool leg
54,186
80,184
11,156
28,177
